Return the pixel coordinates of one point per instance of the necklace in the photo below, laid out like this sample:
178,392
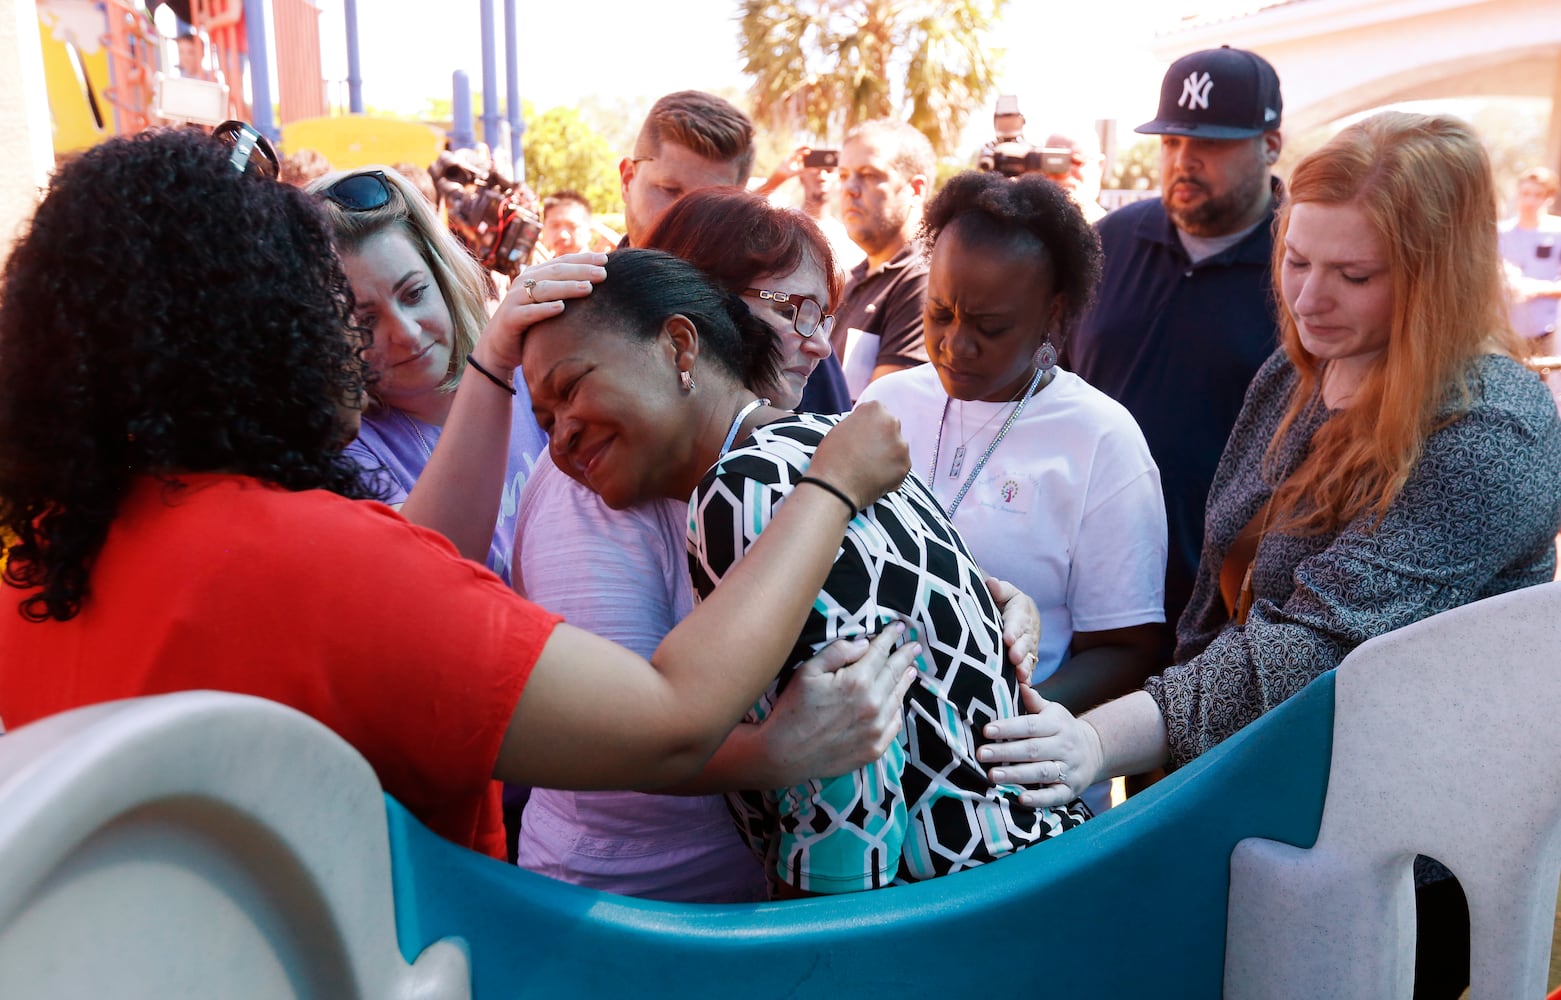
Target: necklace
428,449
958,461
737,422
1030,390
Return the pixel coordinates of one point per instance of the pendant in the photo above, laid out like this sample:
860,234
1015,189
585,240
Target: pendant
958,462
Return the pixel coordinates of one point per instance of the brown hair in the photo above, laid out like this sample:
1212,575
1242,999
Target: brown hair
566,196
1424,183
734,237
702,123
302,166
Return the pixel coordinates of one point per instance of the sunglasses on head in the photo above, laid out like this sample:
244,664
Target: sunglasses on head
360,192
805,312
251,150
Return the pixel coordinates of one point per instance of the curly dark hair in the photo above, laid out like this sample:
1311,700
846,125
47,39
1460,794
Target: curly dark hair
993,209
164,313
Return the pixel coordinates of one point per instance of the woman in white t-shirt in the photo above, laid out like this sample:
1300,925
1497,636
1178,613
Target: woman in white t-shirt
1048,480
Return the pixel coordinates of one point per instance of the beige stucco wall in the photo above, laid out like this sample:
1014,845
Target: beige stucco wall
25,147
1337,57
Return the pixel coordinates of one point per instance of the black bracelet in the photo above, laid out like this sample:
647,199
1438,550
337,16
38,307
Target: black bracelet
507,387
831,488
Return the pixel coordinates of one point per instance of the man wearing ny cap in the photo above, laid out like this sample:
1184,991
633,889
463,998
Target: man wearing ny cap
1185,312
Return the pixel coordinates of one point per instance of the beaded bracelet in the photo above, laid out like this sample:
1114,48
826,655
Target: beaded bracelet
490,376
831,488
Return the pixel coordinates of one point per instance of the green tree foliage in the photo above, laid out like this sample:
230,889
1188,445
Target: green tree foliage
1137,166
820,66
564,148
562,151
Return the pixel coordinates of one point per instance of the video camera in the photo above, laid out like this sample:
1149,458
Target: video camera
494,216
1013,158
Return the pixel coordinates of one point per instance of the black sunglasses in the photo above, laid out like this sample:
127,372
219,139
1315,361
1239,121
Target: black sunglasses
360,192
245,141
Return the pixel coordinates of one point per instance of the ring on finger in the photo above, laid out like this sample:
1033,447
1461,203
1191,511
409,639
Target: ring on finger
530,284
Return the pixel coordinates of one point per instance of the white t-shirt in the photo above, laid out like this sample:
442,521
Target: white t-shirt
1068,508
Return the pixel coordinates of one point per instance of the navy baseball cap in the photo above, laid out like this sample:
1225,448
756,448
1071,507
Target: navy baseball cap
1221,93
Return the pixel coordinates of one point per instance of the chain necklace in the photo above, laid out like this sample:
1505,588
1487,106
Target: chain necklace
1029,391
958,461
428,449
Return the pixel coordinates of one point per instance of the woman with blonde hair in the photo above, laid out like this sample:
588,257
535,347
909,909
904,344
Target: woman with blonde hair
1393,459
425,302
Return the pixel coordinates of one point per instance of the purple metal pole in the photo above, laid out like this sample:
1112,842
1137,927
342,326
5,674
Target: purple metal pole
461,135
259,70
490,78
354,68
517,127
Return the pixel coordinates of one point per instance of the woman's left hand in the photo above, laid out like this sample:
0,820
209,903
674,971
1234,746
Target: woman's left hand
536,294
1048,748
841,709
1021,625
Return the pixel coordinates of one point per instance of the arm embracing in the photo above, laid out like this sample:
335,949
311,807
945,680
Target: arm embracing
1477,516
569,729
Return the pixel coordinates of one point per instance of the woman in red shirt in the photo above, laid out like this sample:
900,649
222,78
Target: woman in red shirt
179,377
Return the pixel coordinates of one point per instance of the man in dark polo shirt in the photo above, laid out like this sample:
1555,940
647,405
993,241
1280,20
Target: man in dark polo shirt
1185,313
886,172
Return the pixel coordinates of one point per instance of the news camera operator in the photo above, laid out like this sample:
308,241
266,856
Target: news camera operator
496,217
1069,159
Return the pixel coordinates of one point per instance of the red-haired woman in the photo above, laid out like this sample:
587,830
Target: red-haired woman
1392,460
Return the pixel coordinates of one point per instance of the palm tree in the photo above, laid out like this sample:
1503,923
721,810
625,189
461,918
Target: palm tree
821,66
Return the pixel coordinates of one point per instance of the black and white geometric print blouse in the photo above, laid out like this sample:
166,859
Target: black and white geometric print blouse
927,807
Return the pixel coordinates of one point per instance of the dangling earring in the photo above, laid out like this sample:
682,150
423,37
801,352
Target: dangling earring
687,378
1046,355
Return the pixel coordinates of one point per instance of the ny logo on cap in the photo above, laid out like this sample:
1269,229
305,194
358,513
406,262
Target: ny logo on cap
1195,91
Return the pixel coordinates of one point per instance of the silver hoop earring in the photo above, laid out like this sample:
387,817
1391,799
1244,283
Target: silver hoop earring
687,378
1046,355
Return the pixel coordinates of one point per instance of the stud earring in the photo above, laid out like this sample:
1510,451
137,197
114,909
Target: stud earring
1046,355
687,378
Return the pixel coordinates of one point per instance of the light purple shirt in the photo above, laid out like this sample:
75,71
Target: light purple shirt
622,574
402,444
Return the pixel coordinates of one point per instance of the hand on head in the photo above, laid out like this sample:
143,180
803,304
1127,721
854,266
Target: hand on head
539,293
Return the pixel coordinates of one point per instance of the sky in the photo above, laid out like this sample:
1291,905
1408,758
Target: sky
1068,62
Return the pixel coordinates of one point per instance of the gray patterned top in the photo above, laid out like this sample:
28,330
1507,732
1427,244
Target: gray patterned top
1478,516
